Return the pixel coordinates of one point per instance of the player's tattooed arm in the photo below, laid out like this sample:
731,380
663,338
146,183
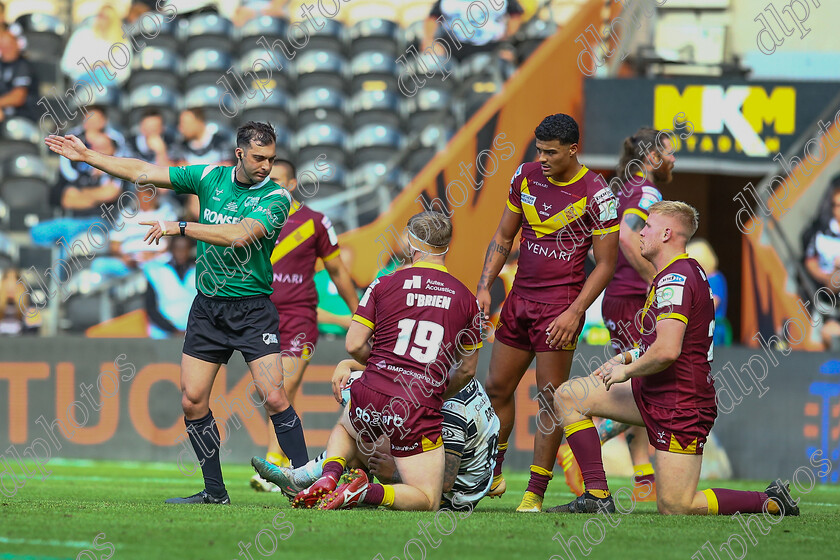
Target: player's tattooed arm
497,253
635,222
450,470
492,249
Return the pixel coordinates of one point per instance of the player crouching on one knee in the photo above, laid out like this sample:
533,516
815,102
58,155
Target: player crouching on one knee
671,392
411,330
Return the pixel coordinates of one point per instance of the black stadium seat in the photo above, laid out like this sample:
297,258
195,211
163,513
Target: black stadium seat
373,70
26,182
284,141
20,136
45,36
272,28
167,38
209,98
109,98
276,109
431,140
323,105
155,65
373,142
249,61
533,33
376,35
152,96
316,139
331,37
374,172
320,68
206,30
375,107
205,66
429,105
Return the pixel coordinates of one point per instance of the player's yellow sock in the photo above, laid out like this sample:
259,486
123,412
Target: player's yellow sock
600,493
275,458
388,499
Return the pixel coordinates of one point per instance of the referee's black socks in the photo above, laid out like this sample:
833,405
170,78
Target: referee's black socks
204,436
289,432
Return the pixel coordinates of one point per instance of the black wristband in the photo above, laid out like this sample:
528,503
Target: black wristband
183,226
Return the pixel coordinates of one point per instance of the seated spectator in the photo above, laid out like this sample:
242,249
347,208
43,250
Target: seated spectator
80,199
701,251
201,142
137,9
171,289
504,20
18,82
95,124
15,306
249,9
12,27
93,44
154,142
822,261
128,251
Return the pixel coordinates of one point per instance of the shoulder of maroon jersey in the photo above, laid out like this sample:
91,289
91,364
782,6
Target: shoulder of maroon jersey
679,272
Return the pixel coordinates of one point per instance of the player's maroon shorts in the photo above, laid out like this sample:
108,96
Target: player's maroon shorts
678,430
620,318
411,429
523,323
298,334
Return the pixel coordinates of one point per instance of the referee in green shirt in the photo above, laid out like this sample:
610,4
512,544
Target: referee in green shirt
242,212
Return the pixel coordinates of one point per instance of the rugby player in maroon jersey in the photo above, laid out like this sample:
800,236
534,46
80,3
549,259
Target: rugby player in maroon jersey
417,331
562,211
671,392
307,236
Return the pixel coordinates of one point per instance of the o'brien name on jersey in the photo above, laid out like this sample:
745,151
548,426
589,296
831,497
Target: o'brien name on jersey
426,300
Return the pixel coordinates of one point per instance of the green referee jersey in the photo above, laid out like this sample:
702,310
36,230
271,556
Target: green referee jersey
226,271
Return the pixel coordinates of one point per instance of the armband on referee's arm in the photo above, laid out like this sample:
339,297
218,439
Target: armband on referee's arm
630,356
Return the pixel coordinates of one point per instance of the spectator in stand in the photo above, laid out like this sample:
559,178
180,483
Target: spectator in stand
466,36
18,82
171,289
154,142
15,306
822,260
249,9
137,9
95,124
701,251
14,28
80,199
200,143
128,250
93,43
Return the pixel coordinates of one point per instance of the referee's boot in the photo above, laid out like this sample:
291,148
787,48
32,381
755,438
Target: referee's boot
203,497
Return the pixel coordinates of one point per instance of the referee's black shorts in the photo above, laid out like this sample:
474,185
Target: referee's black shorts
217,326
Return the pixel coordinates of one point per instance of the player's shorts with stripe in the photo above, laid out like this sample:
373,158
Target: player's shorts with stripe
298,333
523,323
217,326
411,429
620,318
678,430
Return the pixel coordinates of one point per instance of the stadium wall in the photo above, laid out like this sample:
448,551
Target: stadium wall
119,399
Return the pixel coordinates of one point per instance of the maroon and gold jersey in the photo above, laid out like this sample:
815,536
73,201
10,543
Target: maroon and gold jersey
306,236
635,200
558,222
681,291
420,315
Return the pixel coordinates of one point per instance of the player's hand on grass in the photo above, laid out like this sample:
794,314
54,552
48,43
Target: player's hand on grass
561,331
382,466
340,376
160,229
611,373
68,146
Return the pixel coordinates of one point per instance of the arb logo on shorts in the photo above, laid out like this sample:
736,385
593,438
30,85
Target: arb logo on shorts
270,338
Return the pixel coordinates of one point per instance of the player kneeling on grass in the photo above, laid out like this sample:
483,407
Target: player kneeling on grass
422,322
470,434
671,392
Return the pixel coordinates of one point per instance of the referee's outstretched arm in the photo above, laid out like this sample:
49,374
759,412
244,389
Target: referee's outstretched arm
127,169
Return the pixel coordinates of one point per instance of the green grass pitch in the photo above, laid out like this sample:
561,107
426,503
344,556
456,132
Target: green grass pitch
90,510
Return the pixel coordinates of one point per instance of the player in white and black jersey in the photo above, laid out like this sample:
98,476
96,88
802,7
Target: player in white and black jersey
470,433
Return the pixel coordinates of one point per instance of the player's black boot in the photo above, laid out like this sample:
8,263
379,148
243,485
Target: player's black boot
779,492
585,503
202,497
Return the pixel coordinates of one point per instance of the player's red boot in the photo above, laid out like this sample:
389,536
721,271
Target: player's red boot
571,469
349,494
309,497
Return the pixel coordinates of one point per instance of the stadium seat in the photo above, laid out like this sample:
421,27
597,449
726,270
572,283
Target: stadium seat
20,136
320,68
315,139
209,98
428,106
331,178
362,10
152,96
26,182
432,139
276,109
374,172
109,98
205,66
167,38
413,33
373,142
206,30
375,35
5,215
250,61
155,65
533,33
431,71
331,37
271,28
373,70
45,36
321,105
375,107
284,141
